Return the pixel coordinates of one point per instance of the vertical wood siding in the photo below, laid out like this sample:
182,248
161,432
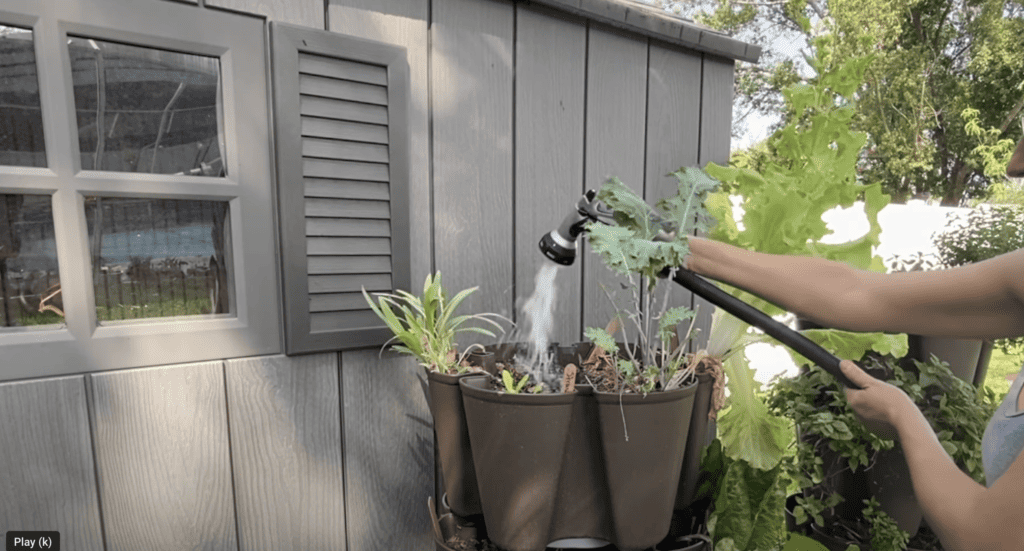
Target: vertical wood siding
515,111
389,452
47,476
550,66
161,438
615,146
471,80
286,452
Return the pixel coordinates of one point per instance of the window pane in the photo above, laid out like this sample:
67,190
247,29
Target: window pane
146,110
21,119
29,280
159,257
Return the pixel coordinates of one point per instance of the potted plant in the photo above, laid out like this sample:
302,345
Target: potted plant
589,442
847,473
986,232
425,327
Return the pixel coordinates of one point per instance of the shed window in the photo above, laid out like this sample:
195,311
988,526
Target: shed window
135,155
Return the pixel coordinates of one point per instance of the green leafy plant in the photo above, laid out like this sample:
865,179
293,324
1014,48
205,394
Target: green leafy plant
426,326
815,401
644,245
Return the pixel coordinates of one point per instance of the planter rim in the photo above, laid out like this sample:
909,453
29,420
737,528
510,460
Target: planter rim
446,379
473,387
654,397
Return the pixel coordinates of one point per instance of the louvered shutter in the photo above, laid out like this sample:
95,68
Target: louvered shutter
340,110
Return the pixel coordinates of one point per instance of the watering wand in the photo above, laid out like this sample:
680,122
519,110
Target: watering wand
559,245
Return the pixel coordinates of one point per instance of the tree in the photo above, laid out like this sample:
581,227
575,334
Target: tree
938,103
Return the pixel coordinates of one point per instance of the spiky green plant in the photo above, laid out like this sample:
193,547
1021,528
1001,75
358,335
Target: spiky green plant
426,326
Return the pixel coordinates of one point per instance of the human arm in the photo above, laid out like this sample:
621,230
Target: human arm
984,300
964,514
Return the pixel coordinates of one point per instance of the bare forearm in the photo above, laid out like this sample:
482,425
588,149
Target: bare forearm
820,290
949,498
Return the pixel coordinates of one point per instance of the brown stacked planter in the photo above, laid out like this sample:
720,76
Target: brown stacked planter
559,466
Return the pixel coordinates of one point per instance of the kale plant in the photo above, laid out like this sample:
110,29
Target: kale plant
645,245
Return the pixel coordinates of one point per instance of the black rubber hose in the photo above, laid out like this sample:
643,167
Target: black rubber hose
747,313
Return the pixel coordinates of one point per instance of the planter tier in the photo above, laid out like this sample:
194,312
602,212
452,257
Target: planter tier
559,466
457,472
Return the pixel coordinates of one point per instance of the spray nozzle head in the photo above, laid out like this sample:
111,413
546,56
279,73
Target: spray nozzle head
559,245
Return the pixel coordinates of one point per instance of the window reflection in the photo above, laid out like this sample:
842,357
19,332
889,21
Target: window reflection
29,279
21,119
146,110
156,258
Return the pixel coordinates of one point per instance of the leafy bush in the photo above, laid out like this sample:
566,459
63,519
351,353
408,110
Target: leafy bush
988,231
956,411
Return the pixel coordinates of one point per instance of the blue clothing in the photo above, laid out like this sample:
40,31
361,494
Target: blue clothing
1004,435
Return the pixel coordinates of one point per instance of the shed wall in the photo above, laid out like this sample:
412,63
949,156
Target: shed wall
516,110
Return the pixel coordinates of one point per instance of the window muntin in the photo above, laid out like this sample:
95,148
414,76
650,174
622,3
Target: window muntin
29,279
21,119
142,109
154,258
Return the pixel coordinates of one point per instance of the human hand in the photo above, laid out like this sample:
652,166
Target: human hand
877,403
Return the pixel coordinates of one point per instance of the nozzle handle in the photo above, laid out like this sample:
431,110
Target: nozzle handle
808,348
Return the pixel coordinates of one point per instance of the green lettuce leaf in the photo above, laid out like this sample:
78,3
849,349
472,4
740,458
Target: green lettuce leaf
847,345
749,508
749,431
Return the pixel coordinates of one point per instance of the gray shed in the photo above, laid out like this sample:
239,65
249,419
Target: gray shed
302,150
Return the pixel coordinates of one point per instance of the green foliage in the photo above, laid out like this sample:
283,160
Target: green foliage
650,242
816,402
748,512
885,533
847,344
748,429
426,326
938,101
812,168
511,386
645,241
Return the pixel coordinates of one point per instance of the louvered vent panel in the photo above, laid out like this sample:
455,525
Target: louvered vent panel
345,168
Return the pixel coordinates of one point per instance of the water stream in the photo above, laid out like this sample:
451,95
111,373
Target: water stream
538,313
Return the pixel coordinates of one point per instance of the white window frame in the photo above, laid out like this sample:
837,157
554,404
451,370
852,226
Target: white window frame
82,344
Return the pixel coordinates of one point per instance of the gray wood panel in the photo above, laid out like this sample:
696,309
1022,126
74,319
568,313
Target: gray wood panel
344,245
344,130
673,131
332,302
308,13
347,208
286,452
346,189
389,455
347,110
402,23
325,321
349,283
347,227
349,264
323,168
161,439
345,150
472,98
715,141
47,475
347,90
346,70
550,64
616,122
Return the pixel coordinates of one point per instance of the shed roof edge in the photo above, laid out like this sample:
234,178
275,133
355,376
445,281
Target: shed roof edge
650,22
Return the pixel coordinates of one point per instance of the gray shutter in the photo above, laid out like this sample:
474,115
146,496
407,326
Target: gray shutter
340,109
